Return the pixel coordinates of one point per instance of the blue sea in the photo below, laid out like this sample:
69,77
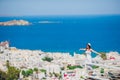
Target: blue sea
64,33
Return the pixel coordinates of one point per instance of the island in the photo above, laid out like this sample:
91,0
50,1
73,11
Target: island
14,22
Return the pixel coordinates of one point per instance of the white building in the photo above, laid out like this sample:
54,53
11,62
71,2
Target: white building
50,68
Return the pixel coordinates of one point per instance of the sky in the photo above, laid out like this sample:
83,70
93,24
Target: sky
59,7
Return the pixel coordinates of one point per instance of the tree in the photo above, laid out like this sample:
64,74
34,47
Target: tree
2,75
7,64
12,72
23,73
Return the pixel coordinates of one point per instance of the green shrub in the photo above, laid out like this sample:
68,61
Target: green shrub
73,67
79,67
94,67
102,70
82,77
43,70
51,74
47,59
23,73
56,74
3,75
30,71
103,56
12,72
36,69
27,72
62,68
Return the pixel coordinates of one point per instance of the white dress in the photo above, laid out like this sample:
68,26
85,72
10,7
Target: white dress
88,56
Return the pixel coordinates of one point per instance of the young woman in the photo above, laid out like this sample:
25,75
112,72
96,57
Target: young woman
88,51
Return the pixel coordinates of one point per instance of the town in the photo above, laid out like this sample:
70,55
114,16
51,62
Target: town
39,65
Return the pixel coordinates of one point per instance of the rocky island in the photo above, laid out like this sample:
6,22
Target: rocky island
14,22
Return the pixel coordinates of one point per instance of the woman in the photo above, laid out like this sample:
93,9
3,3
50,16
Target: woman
88,51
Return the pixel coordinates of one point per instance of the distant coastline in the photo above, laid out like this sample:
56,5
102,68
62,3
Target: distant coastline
14,22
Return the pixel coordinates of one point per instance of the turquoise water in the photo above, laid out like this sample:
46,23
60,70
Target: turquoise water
64,34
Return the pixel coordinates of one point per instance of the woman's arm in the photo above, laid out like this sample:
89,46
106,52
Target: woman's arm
95,52
82,49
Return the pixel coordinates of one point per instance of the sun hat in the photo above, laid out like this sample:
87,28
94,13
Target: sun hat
89,44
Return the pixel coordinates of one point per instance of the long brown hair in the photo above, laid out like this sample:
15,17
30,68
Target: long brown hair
88,46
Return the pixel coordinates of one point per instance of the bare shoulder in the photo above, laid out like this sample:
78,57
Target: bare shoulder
91,50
